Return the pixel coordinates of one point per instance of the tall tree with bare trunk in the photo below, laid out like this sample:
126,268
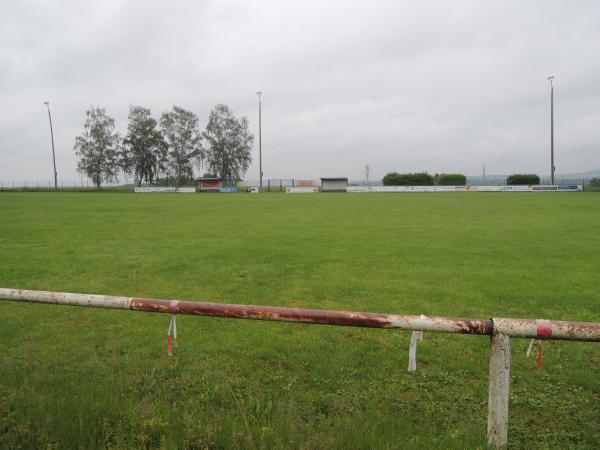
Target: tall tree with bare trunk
98,147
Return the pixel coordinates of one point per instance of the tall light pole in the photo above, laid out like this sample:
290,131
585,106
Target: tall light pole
551,130
259,93
52,138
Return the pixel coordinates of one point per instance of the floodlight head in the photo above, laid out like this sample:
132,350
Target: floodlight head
259,93
46,103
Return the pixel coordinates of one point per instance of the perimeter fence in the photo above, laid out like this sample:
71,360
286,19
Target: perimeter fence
270,185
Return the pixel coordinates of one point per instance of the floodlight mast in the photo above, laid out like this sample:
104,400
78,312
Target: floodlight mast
550,78
259,93
47,103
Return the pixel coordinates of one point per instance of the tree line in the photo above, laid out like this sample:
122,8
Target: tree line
448,179
424,179
171,149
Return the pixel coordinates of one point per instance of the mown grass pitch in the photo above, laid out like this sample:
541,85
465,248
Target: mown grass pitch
86,378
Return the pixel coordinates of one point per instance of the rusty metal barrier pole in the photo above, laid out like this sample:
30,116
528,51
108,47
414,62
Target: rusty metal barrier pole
313,316
501,331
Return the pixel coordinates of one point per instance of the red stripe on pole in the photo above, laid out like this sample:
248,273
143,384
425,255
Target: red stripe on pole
544,329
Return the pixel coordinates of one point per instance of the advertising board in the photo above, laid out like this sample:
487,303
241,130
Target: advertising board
572,188
304,183
533,188
154,189
301,190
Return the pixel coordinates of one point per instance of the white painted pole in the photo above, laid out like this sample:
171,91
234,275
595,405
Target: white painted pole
175,330
497,429
412,350
66,298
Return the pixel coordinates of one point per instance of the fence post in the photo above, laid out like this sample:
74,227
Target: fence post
497,429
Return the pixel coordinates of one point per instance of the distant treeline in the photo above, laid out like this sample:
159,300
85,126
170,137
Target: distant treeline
172,148
449,179
424,179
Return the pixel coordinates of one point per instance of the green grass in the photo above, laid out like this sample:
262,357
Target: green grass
88,378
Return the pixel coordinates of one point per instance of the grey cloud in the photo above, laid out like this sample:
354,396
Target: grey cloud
400,85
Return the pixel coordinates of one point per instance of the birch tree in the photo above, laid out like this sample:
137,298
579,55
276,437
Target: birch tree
181,131
228,144
97,148
144,153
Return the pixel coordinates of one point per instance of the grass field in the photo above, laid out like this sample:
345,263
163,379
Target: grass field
87,378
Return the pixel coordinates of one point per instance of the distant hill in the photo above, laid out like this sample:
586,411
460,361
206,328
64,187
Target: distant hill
588,174
561,178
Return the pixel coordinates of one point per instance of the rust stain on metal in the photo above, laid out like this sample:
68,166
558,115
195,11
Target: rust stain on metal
573,329
315,316
475,326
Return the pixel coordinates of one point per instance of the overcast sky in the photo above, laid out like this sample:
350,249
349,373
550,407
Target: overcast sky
408,86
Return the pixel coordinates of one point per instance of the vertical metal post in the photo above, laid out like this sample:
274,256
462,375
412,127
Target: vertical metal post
259,93
551,130
497,429
52,138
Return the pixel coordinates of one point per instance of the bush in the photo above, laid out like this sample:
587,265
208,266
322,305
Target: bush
417,179
408,179
451,179
595,182
522,179
391,179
